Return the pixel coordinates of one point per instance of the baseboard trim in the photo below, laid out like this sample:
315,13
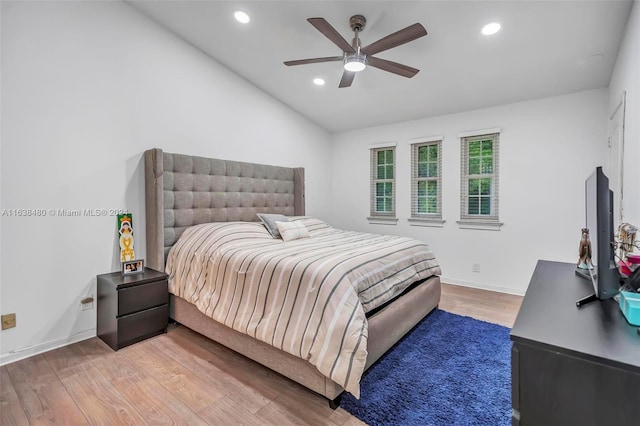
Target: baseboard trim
483,286
17,355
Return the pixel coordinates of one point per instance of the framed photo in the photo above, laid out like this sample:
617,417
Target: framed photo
133,267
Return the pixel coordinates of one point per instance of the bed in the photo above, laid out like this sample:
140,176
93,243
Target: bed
186,193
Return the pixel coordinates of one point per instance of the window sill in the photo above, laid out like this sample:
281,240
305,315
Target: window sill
425,221
382,220
484,225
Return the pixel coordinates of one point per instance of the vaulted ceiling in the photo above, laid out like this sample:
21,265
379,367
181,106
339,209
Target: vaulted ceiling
544,48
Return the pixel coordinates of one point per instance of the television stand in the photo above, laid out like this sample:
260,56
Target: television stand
572,366
586,274
586,300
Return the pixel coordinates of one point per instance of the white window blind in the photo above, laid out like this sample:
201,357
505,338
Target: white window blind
383,164
479,181
426,180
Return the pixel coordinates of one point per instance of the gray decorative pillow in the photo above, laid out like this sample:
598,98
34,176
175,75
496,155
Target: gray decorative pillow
269,221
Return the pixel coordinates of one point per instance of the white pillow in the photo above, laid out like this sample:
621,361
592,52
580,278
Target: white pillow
292,230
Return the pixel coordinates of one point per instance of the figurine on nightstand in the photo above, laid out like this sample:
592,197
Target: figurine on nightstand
584,251
125,229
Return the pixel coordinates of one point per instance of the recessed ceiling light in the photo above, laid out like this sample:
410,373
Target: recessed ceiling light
318,81
491,28
241,16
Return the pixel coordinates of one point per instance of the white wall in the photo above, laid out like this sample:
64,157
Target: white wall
626,77
548,148
86,88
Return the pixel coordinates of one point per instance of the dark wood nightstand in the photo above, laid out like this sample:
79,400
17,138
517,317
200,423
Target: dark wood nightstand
132,308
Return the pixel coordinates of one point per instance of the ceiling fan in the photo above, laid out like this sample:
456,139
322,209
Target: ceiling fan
355,57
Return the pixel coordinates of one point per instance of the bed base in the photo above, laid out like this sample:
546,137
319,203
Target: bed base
386,328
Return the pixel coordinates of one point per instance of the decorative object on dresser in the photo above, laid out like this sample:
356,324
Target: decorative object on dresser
132,307
584,251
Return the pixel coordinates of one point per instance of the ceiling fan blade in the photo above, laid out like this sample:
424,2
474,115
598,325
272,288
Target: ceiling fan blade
394,67
313,60
398,38
347,79
329,32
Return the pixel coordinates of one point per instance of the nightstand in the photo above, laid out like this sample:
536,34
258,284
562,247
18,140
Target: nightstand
132,308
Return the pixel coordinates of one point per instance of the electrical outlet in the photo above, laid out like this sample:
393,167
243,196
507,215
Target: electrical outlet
87,303
8,321
475,267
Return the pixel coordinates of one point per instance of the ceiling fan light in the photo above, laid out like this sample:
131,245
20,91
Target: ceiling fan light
355,63
354,66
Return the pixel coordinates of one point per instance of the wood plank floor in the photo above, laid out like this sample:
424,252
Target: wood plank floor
490,306
183,378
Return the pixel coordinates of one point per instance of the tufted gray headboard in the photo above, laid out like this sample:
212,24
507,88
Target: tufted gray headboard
183,190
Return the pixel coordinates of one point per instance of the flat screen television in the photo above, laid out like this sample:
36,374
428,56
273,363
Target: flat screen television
599,220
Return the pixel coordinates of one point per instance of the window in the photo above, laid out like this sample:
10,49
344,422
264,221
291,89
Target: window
426,185
383,198
479,181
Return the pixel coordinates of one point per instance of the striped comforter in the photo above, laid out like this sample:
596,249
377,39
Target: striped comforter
307,297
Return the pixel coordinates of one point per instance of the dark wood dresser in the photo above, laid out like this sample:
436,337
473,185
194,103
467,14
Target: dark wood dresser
569,365
132,308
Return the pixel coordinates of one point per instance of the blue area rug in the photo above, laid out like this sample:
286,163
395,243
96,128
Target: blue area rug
449,370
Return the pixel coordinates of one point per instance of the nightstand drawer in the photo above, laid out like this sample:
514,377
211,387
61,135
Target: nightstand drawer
139,297
139,326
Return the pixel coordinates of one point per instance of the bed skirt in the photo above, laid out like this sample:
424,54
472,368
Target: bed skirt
386,327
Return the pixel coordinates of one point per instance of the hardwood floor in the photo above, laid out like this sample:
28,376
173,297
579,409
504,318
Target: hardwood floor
490,306
183,378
